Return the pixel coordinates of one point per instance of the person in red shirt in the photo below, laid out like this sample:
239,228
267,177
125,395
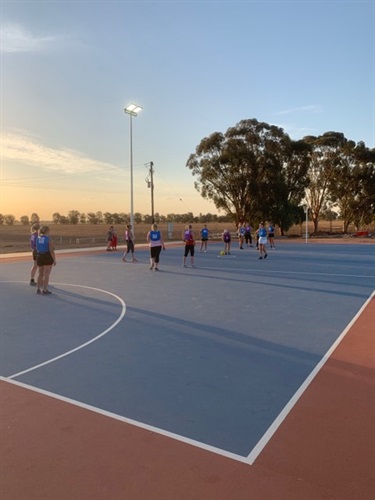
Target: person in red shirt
189,239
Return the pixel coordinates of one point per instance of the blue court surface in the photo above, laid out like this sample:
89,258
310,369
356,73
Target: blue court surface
210,355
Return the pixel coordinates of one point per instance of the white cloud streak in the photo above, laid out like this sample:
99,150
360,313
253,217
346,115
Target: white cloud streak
23,148
311,108
15,38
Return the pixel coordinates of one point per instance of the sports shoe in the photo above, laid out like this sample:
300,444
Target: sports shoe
156,269
266,256
260,258
183,265
32,282
152,267
46,292
38,292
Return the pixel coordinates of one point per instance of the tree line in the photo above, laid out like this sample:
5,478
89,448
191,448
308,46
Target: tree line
255,171
76,217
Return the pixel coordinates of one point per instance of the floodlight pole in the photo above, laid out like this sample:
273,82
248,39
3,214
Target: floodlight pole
307,221
132,110
131,173
152,191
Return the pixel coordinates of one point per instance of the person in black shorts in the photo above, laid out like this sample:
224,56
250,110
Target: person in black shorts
189,239
45,259
129,238
271,235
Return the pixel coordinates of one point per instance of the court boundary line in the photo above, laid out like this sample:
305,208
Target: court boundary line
301,390
134,423
81,346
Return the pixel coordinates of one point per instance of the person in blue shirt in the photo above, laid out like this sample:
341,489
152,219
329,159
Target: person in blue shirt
45,259
271,235
241,235
34,234
156,243
262,234
204,235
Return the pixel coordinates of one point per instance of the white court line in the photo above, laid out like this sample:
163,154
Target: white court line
258,448
123,311
273,271
129,421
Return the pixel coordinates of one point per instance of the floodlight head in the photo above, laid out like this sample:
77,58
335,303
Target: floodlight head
133,109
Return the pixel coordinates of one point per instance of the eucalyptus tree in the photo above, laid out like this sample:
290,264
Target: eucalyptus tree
353,188
323,170
254,171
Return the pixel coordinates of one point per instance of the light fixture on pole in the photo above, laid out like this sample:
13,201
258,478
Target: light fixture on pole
132,110
150,184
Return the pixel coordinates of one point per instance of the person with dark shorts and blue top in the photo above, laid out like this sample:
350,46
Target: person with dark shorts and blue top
45,259
204,235
156,243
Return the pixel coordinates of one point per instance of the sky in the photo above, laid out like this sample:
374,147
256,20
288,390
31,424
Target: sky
69,68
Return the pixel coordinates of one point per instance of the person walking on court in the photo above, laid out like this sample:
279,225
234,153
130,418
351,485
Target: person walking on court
271,235
189,239
109,238
129,238
34,234
114,240
248,239
241,235
45,259
204,236
262,235
226,238
156,243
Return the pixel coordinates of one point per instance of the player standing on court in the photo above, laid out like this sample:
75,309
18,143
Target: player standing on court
271,235
45,259
204,236
241,235
248,239
226,237
129,239
156,243
262,234
189,239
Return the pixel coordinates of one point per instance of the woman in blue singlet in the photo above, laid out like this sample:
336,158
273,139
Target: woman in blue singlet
262,234
156,243
204,235
45,259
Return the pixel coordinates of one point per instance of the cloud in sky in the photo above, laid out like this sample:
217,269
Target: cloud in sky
313,108
15,38
22,147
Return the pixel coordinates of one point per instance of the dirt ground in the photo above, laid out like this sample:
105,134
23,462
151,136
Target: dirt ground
16,238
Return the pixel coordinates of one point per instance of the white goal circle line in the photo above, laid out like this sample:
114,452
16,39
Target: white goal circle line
71,351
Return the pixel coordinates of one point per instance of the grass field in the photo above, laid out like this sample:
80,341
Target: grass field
16,238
